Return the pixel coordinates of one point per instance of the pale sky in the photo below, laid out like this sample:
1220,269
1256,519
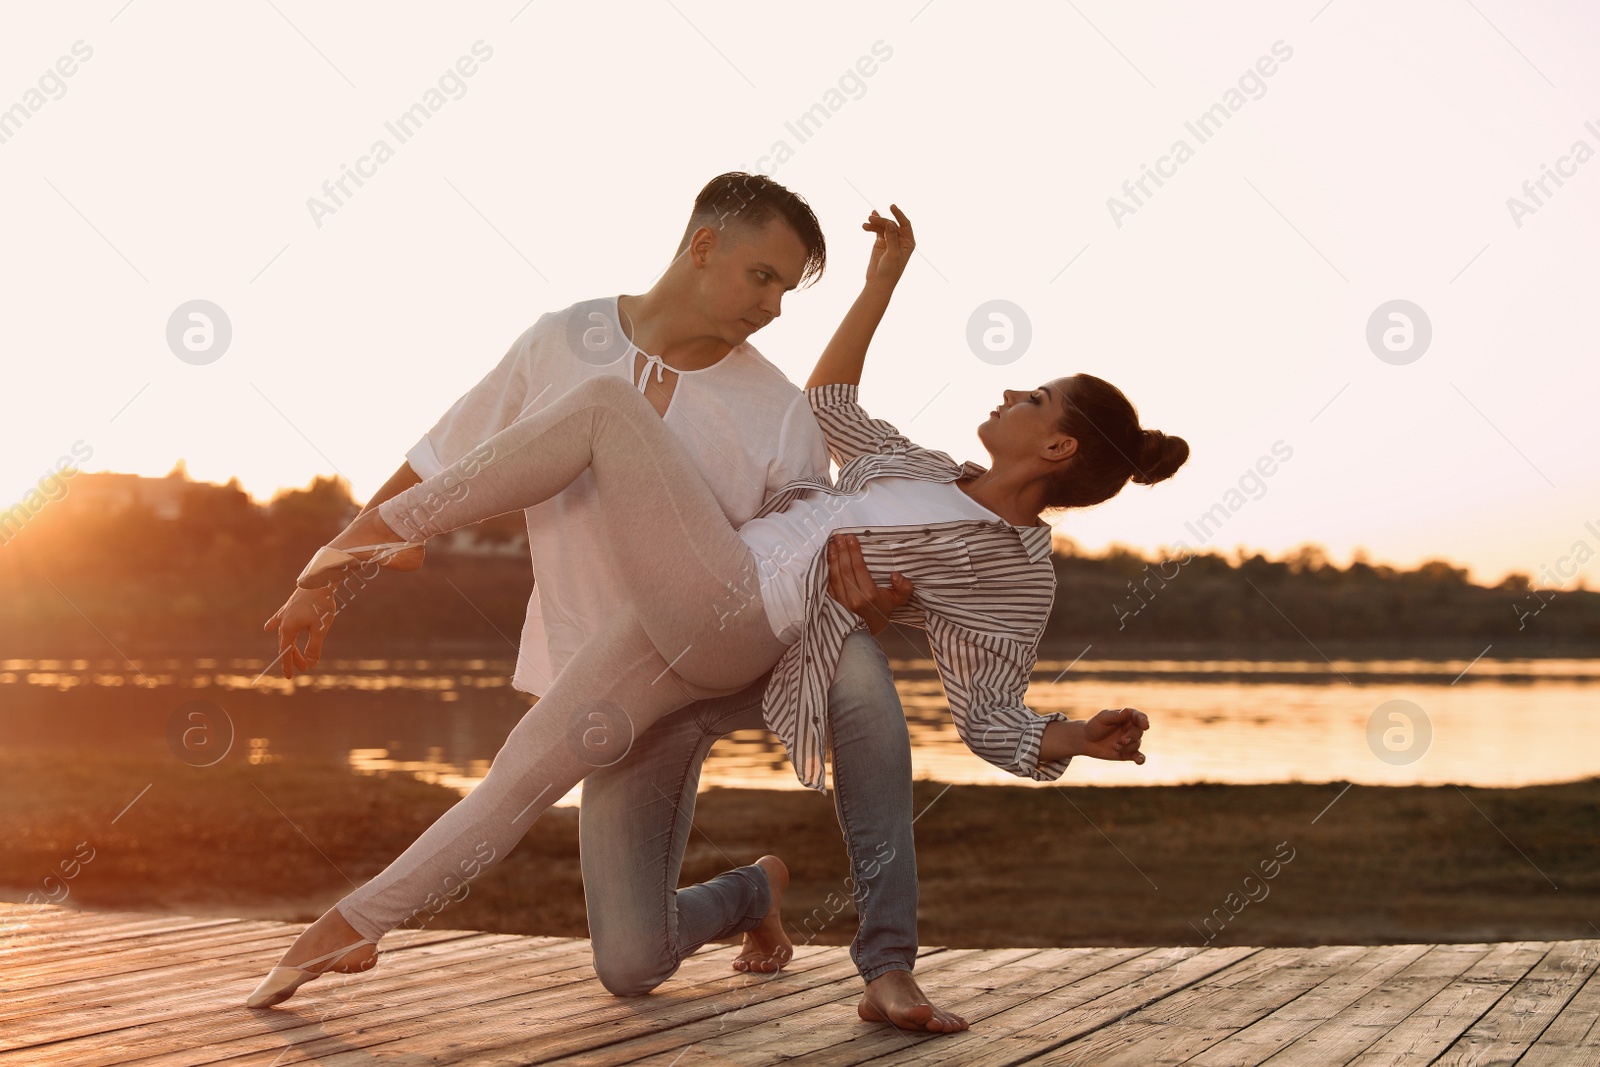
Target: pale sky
1231,302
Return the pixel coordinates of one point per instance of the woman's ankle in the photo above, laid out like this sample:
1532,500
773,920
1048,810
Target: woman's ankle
326,943
367,528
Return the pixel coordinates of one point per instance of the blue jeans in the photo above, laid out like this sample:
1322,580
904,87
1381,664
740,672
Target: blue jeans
636,816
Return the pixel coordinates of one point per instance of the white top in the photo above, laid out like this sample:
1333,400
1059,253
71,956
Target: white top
785,542
748,429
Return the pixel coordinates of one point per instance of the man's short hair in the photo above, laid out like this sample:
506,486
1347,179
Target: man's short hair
752,200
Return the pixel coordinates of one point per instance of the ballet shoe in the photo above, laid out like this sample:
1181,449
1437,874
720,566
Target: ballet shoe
281,982
330,564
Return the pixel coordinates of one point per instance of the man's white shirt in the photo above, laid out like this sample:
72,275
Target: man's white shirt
749,430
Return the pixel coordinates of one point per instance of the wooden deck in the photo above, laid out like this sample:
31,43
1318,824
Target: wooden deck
90,989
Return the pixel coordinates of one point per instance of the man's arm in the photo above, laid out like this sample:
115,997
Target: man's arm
311,611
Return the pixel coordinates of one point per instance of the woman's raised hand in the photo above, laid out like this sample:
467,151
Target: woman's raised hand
892,250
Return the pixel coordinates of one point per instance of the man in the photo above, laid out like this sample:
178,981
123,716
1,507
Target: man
750,431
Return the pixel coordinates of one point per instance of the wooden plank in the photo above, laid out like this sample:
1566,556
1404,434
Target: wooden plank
359,1011
244,951
1082,1005
99,989
1349,1032
878,1044
83,953
52,968
836,983
89,1007
30,983
44,921
527,1030
419,1004
1008,1000
169,994
1176,1027
1574,1037
153,966
133,954
823,1030
12,912
1431,1028
973,994
1083,1008
1026,1002
216,1025
1506,1030
69,920
945,970
64,938
1264,1037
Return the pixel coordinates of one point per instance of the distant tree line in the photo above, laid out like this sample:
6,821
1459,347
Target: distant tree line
200,578
1121,596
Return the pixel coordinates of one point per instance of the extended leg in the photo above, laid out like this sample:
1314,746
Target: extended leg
610,693
672,545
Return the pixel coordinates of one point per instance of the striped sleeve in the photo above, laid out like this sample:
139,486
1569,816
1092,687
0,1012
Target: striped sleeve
846,426
985,679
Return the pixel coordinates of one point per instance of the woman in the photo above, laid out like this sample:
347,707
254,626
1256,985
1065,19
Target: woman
715,608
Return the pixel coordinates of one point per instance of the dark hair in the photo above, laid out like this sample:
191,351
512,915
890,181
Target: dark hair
752,200
1112,447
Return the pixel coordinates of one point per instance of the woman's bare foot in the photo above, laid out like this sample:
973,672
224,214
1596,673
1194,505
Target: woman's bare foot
368,528
336,563
894,997
327,935
767,948
329,944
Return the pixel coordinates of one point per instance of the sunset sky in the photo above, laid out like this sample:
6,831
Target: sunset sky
1393,153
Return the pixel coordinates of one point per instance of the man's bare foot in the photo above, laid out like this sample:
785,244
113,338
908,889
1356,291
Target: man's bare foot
767,948
894,997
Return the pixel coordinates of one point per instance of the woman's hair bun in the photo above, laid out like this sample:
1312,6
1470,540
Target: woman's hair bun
1160,457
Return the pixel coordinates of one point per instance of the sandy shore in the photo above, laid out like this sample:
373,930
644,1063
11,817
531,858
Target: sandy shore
999,866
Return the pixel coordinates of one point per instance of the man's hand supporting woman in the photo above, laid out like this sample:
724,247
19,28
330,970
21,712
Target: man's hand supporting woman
852,584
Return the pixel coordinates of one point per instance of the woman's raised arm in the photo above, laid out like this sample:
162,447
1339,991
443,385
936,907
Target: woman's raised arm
841,361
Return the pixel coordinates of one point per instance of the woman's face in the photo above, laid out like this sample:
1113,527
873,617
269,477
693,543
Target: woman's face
1026,422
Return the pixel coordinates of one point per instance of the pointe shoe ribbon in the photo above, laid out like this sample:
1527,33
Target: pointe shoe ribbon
329,562
281,982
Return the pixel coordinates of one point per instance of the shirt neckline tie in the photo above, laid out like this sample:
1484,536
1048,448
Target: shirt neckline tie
651,361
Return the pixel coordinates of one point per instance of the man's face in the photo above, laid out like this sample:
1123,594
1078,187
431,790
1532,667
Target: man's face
744,273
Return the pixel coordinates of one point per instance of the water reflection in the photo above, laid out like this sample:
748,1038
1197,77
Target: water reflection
433,768
749,759
1230,721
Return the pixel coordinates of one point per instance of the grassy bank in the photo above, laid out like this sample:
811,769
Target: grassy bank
999,865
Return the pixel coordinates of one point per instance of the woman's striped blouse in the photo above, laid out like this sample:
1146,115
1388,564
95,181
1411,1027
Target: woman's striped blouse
983,591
